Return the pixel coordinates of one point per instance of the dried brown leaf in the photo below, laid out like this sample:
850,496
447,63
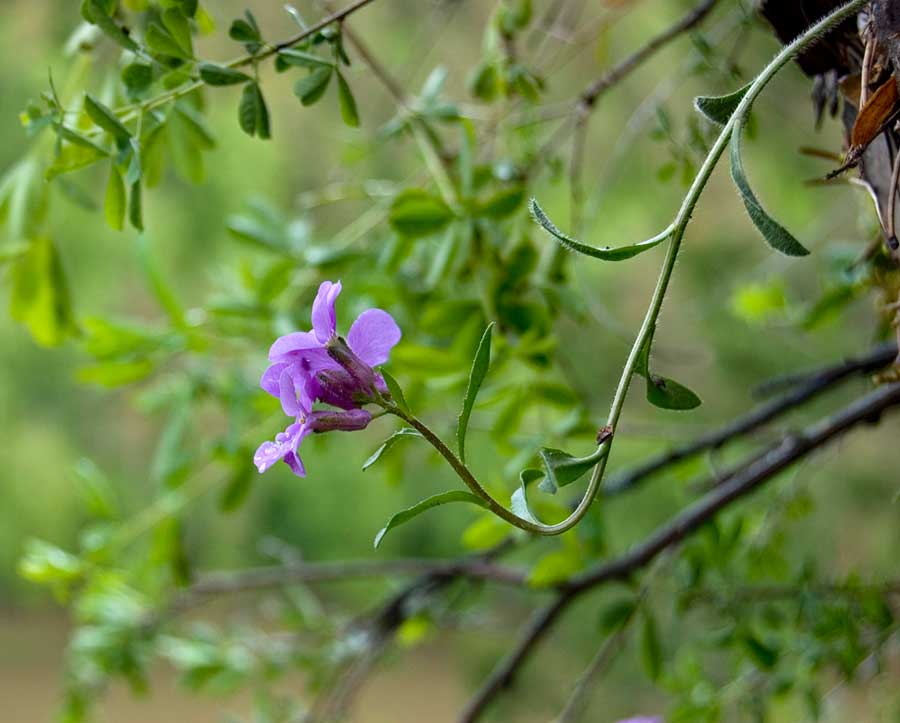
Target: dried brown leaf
882,104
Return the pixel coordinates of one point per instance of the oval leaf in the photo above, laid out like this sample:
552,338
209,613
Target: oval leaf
480,365
669,394
778,237
213,74
313,86
434,501
349,111
607,253
417,213
115,203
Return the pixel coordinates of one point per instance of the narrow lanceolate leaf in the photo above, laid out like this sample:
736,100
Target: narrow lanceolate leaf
480,365
253,114
719,108
106,119
606,253
349,112
778,237
303,59
395,391
213,74
434,501
313,86
400,434
115,202
136,206
77,139
651,648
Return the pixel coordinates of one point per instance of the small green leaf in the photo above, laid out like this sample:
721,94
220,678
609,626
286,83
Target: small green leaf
115,202
562,469
606,253
617,614
98,14
763,655
555,567
519,499
502,203
400,434
395,391
669,394
480,365
160,41
303,59
113,374
253,114
79,140
237,489
213,74
651,648
158,283
417,213
778,237
136,206
349,112
106,119
313,86
180,29
40,295
719,108
137,77
434,501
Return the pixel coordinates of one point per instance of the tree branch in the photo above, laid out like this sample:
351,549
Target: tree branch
794,447
808,386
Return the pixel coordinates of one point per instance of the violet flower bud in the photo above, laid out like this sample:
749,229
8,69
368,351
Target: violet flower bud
362,373
350,420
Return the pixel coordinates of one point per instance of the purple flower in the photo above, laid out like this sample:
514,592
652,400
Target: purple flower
643,719
319,366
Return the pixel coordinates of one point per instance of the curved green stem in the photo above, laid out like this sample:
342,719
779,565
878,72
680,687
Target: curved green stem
678,228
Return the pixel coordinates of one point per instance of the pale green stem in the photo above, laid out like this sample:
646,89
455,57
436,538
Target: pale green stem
678,227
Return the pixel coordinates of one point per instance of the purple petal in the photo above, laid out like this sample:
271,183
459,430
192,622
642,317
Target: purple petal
295,463
292,344
270,379
287,393
286,442
324,320
643,719
373,335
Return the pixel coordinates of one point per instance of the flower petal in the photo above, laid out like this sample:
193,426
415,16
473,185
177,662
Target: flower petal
295,463
292,344
268,453
270,379
324,320
287,393
373,335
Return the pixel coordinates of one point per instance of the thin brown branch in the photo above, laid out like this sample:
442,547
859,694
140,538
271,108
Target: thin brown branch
794,447
263,578
805,388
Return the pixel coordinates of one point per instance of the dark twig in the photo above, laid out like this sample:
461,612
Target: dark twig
263,578
794,447
804,388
